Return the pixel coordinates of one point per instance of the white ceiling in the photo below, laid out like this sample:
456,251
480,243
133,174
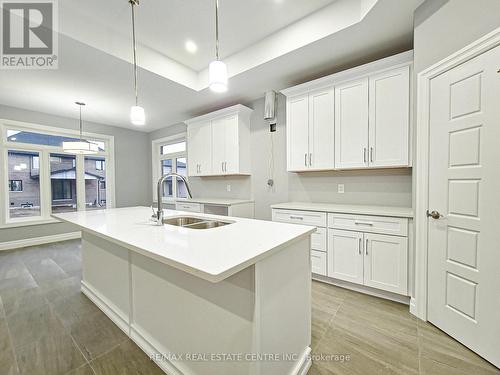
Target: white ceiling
267,44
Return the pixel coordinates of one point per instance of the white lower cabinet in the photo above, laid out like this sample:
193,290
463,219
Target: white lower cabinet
318,262
345,253
385,262
374,260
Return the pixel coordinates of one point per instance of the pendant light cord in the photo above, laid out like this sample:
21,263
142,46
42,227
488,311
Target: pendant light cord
133,3
80,122
217,29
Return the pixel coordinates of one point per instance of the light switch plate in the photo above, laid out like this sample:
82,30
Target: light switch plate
340,188
228,187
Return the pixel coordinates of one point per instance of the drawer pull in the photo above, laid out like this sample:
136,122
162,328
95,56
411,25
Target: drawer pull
297,217
363,223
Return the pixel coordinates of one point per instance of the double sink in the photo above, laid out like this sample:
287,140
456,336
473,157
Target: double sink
195,222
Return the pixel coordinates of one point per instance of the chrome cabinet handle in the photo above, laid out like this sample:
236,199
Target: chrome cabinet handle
225,166
366,247
359,247
305,159
371,154
364,154
222,166
296,217
357,222
310,159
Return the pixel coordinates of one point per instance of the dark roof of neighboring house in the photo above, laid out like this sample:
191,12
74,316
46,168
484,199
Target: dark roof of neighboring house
71,170
40,139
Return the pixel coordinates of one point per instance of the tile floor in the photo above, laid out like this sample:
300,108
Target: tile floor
48,327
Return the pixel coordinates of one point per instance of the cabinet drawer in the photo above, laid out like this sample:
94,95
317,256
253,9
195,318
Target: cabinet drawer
318,239
318,262
317,219
188,206
369,224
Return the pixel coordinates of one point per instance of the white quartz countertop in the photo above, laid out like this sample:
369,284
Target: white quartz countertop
348,209
216,201
212,254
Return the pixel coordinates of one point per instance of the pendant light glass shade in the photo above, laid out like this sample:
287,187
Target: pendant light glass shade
217,72
80,146
137,115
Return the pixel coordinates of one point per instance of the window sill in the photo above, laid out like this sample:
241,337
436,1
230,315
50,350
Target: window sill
29,222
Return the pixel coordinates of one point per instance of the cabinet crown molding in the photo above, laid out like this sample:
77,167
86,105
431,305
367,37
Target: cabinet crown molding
402,59
235,109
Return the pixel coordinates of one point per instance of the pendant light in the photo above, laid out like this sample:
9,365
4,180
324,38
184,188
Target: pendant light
217,70
80,146
137,114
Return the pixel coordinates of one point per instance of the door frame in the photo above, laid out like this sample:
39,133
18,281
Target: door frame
491,40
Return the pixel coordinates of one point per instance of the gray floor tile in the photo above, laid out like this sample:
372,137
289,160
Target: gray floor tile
52,354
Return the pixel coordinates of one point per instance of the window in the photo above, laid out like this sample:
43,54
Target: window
15,185
99,165
23,200
61,190
95,183
63,182
35,162
169,155
38,178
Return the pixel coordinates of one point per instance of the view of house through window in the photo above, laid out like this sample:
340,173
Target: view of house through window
172,157
95,183
63,182
23,184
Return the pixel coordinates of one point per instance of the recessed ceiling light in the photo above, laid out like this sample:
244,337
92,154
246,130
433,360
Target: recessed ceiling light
191,46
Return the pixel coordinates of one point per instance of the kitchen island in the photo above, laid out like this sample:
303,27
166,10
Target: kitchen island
219,300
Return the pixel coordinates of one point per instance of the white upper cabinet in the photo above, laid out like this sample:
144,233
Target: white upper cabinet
298,132
321,129
219,143
199,137
360,120
351,124
310,130
389,118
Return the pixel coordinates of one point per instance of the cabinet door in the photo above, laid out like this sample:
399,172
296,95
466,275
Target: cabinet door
199,145
345,255
318,262
386,262
321,129
218,146
351,124
297,130
389,119
231,145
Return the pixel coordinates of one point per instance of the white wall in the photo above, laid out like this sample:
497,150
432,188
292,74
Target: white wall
132,154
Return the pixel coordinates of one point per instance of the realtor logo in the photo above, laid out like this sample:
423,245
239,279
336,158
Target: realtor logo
29,34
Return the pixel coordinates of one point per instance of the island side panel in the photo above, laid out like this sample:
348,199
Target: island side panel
283,309
106,278
178,313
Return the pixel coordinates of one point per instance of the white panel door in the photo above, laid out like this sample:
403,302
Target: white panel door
386,262
351,124
199,137
345,255
297,128
218,146
389,118
464,187
231,147
321,129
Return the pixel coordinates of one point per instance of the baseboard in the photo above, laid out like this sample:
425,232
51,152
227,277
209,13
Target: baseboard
148,346
10,245
304,364
364,289
107,307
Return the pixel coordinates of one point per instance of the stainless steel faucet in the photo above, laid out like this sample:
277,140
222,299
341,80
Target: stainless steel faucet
158,215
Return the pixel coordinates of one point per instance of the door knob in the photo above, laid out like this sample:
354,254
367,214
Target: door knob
434,214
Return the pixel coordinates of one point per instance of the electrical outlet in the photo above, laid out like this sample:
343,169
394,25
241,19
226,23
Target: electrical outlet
228,187
340,188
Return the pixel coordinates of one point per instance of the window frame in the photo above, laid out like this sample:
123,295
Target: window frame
157,159
44,152
15,191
